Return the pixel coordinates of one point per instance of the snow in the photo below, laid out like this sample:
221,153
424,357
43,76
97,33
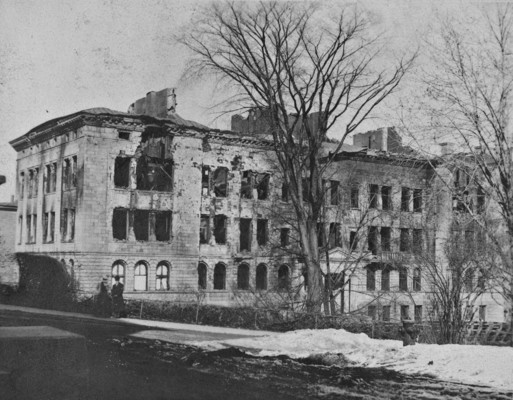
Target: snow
480,365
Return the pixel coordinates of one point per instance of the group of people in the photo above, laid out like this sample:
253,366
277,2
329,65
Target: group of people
107,305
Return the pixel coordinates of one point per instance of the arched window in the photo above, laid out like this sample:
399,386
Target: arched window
220,277
118,269
243,277
261,277
284,277
202,276
141,276
162,282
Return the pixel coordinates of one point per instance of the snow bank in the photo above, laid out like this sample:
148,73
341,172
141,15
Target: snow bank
481,365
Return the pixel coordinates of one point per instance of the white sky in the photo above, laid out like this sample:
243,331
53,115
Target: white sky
61,56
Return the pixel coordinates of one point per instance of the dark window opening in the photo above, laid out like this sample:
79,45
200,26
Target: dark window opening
202,276
353,240
371,278
205,181
386,197
334,196
141,225
71,212
262,186
51,235
163,226
355,194
220,277
204,229
284,277
386,313
385,233
22,185
321,235
371,312
373,239
66,169
284,237
154,174
284,192
122,172
243,277
262,236
405,199
417,200
403,279
220,229
417,241
245,234
124,135
405,312
335,237
417,280
64,224
246,186
385,279
373,196
404,240
45,227
261,277
220,182
120,224
481,280
418,313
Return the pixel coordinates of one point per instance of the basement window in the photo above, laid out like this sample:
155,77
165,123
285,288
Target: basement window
220,229
122,172
262,236
245,234
120,224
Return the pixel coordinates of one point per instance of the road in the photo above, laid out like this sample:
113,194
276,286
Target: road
128,361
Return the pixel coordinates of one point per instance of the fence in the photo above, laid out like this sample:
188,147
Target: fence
491,333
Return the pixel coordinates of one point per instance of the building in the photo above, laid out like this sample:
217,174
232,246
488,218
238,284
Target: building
177,209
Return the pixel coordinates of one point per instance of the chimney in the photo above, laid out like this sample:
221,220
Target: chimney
160,104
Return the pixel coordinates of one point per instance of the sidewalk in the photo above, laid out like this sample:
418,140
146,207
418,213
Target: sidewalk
171,326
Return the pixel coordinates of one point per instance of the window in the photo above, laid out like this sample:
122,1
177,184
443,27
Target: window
468,280
284,237
417,241
373,239
385,233
404,240
405,312
74,171
162,282
262,186
220,182
20,229
261,277
220,229
204,229
122,172
220,277
141,225
243,277
66,171
403,279
418,313
162,226
46,217
405,199
52,179
141,276
245,234
30,183
417,280
118,269
246,186
21,189
36,182
354,200
386,197
284,192
373,196
482,313
334,196
371,278
353,240
283,277
321,236
334,238
481,280
31,228
154,170
205,181
417,200
64,224
71,220
371,312
202,276
124,135
386,313
385,279
262,232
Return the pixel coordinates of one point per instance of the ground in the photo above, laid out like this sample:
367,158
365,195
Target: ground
123,366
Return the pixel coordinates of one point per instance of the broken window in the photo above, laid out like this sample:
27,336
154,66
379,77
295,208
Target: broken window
385,238
404,240
154,173
284,277
243,277
245,234
405,199
204,229
373,239
262,186
262,232
355,194
417,200
403,279
371,278
246,187
202,276
284,237
220,229
334,196
118,269
162,282
141,276
417,283
353,241
163,226
205,181
334,238
122,172
386,197
385,279
373,196
220,277
141,225
254,181
261,277
220,182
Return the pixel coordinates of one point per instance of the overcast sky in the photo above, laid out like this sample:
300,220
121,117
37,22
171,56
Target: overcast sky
61,56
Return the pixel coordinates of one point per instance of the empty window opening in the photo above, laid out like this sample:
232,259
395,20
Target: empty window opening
335,239
284,237
252,181
321,235
51,232
74,171
386,197
141,276
122,172
417,280
386,313
385,279
204,229
141,225
202,276
154,174
45,227
334,193
355,194
284,192
404,240
418,313
403,279
220,277
245,234
205,181
405,199
262,186
246,187
371,278
371,312
385,233
64,224
417,200
373,196
482,313
417,241
162,281
124,135
66,170
262,235
283,277
220,182
120,224
71,221
220,229
118,269
405,312
163,226
373,239
353,240
261,277
243,277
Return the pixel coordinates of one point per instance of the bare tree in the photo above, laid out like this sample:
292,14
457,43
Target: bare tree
305,67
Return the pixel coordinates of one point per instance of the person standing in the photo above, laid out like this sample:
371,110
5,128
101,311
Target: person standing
103,301
117,298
